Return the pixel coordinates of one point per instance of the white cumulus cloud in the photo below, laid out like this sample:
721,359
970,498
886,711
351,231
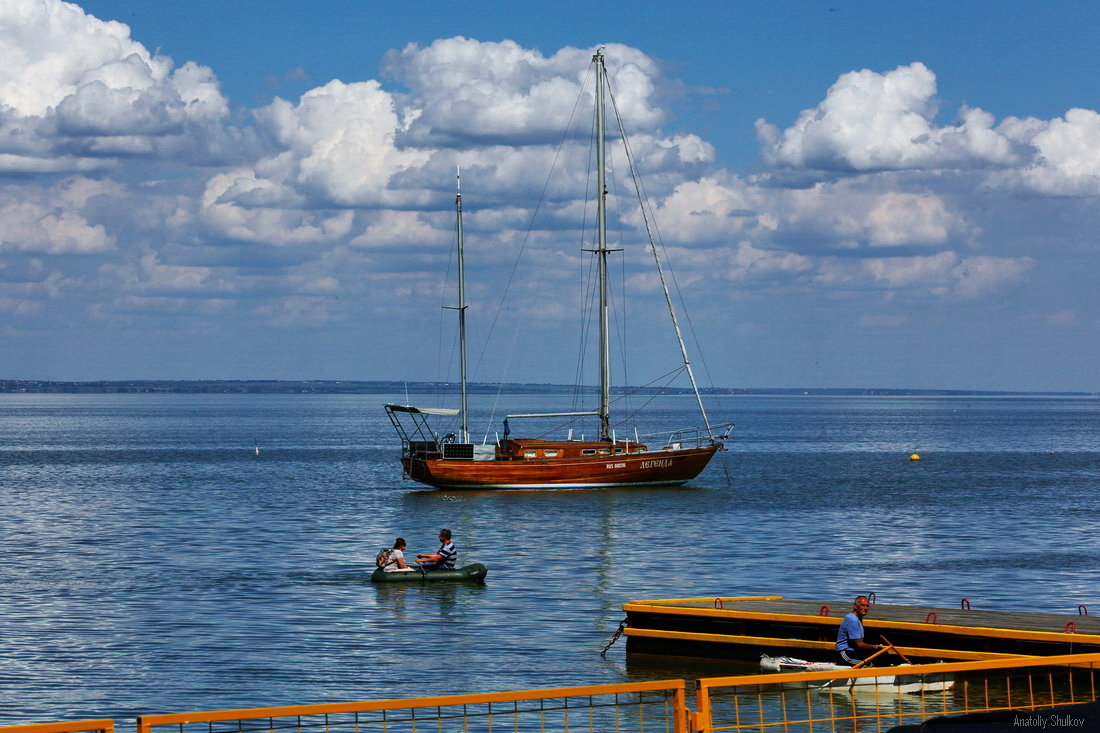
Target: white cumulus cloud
1067,153
331,193
825,216
466,91
269,225
52,220
873,121
944,274
490,108
75,89
340,145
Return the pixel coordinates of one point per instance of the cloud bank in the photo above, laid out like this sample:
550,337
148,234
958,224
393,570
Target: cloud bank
127,188
78,94
872,121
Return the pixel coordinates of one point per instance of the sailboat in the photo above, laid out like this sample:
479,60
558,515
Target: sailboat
455,462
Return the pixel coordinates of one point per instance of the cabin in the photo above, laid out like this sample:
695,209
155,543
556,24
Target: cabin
533,449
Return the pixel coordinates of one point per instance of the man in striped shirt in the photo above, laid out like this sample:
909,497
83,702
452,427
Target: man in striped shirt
445,558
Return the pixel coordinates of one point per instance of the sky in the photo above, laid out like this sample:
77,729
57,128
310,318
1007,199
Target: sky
848,194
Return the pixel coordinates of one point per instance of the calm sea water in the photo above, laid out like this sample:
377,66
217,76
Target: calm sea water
150,561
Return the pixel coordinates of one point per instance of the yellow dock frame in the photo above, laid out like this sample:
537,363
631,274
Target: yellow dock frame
789,630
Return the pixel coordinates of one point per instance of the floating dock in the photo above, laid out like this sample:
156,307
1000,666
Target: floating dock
746,627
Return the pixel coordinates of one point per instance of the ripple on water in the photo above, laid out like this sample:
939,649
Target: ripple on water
152,562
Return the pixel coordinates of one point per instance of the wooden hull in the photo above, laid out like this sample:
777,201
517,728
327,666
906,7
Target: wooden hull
651,468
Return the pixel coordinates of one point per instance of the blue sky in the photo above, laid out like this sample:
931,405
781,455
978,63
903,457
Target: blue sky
850,194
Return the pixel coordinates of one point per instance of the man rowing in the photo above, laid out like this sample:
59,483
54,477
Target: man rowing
850,645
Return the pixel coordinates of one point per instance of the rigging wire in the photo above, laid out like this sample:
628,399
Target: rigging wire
588,281
646,219
669,378
621,321
621,325
519,256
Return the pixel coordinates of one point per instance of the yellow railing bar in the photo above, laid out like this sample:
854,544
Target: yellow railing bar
870,625
681,716
915,651
988,631
1088,661
74,726
701,720
145,723
724,599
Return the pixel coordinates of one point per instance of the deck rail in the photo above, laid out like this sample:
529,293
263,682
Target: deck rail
820,701
696,437
73,726
641,707
792,702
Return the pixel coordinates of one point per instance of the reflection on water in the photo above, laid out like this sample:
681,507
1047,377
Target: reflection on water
640,667
151,561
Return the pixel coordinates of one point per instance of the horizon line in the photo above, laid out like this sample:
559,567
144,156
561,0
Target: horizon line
367,386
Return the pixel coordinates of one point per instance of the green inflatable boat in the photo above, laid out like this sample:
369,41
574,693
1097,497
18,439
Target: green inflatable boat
466,574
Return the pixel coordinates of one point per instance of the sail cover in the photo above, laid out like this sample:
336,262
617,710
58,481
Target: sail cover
422,410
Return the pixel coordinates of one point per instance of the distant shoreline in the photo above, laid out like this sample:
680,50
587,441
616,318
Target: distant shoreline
263,386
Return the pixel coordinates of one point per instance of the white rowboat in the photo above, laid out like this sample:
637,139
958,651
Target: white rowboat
894,682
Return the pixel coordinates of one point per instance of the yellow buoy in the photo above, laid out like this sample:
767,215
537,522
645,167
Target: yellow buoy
914,457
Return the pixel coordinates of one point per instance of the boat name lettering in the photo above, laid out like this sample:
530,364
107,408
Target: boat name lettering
616,465
657,463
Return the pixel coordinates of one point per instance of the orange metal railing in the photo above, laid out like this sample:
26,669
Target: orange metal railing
640,707
75,726
826,701
790,702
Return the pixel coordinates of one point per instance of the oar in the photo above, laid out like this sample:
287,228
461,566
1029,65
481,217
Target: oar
868,659
890,645
857,665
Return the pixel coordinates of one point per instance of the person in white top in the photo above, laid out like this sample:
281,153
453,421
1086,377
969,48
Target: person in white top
395,562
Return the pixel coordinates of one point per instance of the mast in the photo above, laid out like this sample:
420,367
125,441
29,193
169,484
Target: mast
601,253
464,431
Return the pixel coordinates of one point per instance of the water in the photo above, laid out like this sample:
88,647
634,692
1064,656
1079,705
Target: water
150,561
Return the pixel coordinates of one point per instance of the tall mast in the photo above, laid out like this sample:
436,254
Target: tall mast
601,253
464,436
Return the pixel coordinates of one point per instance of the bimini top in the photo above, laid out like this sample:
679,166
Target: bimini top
423,410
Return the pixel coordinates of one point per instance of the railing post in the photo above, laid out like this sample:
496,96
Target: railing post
681,712
700,719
